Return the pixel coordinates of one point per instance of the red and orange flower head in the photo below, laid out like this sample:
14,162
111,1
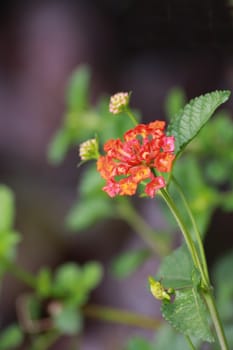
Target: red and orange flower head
144,149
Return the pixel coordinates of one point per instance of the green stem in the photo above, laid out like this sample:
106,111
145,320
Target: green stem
188,239
131,115
110,314
21,274
189,341
158,243
196,229
216,320
207,293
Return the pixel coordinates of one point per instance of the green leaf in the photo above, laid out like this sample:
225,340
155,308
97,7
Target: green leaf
68,321
59,146
78,89
92,273
11,337
6,208
174,101
188,314
8,242
67,278
138,343
176,269
88,211
189,121
127,263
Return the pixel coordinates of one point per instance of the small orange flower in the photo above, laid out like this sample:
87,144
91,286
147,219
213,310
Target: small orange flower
128,187
153,186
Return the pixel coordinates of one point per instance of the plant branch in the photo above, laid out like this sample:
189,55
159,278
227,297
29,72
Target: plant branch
131,115
196,229
188,239
158,243
216,320
189,341
20,273
110,314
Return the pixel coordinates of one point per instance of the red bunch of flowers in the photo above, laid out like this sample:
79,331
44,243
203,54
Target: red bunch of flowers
144,150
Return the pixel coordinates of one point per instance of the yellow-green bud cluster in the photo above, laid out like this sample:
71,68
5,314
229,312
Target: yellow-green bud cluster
118,102
89,150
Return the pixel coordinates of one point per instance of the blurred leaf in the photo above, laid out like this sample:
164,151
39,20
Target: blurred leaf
217,170
67,278
188,314
92,274
11,337
68,321
127,263
88,211
8,241
227,201
189,121
69,285
77,96
138,343
174,101
44,282
6,208
59,146
165,336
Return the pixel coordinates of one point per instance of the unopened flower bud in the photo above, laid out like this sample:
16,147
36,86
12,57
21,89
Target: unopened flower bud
89,150
158,291
118,102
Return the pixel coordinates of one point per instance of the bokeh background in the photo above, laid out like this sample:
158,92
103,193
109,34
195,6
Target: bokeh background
147,47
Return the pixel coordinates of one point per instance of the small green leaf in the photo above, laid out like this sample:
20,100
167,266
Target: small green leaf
68,321
92,273
11,337
8,242
189,121
127,263
188,314
6,208
176,269
67,278
59,146
138,343
174,101
78,89
88,211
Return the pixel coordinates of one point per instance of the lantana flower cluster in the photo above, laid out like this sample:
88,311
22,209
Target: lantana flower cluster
144,151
